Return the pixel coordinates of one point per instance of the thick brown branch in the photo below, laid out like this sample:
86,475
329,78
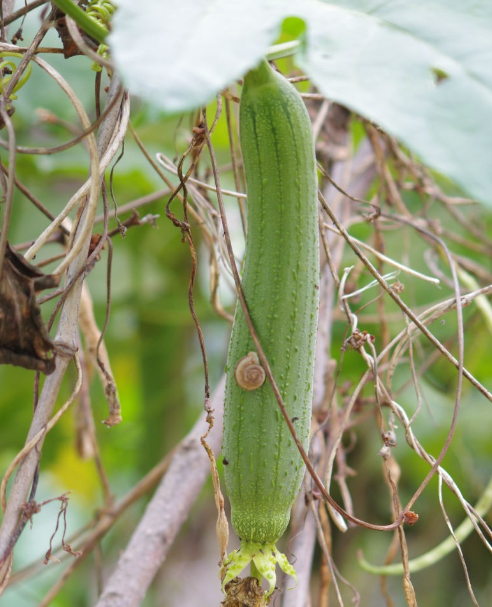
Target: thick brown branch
167,511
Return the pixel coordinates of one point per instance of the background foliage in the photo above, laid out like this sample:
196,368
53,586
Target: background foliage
157,365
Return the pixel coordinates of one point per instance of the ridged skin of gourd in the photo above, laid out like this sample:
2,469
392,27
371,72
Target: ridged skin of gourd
280,279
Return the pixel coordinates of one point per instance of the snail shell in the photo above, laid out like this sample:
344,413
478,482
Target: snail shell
249,373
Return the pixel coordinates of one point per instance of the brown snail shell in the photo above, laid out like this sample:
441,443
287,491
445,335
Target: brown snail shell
249,374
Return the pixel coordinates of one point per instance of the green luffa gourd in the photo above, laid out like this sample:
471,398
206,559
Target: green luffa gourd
264,470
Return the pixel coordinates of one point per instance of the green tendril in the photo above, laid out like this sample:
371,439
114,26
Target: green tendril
6,64
101,11
103,51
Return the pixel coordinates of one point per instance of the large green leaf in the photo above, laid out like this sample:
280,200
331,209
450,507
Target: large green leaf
418,68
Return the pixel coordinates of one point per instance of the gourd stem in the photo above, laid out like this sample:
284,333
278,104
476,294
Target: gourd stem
262,74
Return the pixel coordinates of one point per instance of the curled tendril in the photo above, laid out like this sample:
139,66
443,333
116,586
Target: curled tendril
10,65
102,12
102,51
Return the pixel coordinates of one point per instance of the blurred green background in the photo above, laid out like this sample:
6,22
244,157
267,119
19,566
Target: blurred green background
157,364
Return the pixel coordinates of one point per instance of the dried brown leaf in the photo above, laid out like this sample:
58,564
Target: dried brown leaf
24,341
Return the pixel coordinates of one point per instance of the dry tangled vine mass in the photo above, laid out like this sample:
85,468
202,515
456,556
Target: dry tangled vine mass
405,285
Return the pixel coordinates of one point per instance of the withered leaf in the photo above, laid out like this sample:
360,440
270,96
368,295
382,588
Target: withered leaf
24,341
10,112
70,49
